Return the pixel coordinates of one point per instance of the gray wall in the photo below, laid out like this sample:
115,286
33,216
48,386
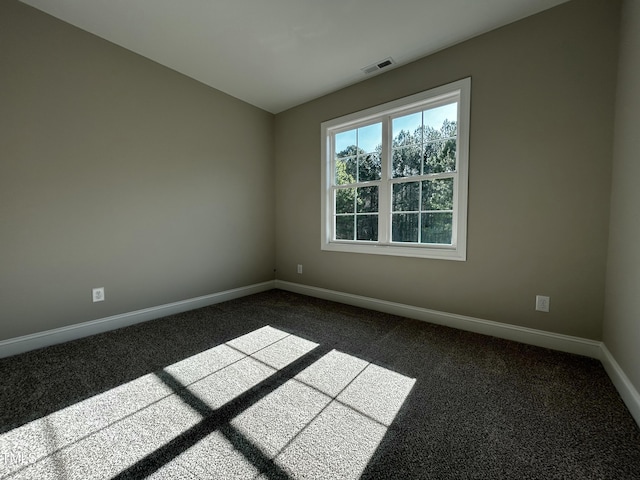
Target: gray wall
622,314
116,172
540,170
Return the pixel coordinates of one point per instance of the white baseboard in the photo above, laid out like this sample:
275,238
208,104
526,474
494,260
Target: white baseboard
625,388
555,341
14,346
530,336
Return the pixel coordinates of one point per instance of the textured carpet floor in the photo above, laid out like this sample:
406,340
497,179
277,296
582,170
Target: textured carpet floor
279,385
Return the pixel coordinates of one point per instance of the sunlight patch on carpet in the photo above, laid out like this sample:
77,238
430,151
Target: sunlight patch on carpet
325,421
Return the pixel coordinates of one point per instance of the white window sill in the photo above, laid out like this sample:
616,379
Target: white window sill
439,252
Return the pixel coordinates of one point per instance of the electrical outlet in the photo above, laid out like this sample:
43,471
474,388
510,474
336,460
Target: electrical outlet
98,294
300,268
542,303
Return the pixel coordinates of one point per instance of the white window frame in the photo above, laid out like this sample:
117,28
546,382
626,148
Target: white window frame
457,250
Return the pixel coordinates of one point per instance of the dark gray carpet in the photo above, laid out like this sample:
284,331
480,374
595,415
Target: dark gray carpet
279,385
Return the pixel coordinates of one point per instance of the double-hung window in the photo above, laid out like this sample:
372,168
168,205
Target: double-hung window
394,177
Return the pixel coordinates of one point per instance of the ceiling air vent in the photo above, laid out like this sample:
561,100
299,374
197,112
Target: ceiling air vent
378,66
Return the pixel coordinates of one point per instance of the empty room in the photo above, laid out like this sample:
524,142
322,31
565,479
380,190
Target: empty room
319,240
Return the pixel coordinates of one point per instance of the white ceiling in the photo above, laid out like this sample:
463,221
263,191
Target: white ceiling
276,54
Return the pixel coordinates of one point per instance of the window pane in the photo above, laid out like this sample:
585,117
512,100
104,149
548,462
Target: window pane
406,161
369,167
368,227
345,143
346,170
344,227
345,200
440,156
405,227
406,130
441,120
370,138
436,228
437,194
367,199
406,197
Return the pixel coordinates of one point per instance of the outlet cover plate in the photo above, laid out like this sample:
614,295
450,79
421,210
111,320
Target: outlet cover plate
98,294
542,303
